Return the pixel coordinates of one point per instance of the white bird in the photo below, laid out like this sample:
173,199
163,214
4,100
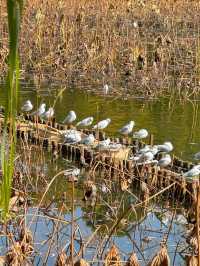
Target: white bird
142,157
27,107
195,171
49,114
85,122
165,161
72,174
105,89
197,156
71,117
127,129
102,124
145,149
104,144
135,24
166,147
153,149
40,111
88,140
147,156
72,136
141,134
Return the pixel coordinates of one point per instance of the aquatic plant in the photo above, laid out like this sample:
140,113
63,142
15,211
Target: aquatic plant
14,10
149,47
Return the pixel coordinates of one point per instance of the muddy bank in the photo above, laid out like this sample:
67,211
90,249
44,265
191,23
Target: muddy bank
139,48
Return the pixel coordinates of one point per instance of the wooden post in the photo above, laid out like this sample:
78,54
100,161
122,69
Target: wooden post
151,139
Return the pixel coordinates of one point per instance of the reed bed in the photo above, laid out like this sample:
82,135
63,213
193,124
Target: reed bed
142,47
42,197
36,202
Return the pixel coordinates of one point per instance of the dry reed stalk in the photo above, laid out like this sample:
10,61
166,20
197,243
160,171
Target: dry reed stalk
161,258
92,41
113,257
72,226
198,222
62,260
81,262
192,261
132,261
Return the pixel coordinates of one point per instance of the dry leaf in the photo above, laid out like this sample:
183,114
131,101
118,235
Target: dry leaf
192,261
62,260
161,258
13,203
132,261
2,261
124,184
81,262
113,257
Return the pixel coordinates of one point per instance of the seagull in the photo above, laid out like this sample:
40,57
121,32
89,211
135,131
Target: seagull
71,117
105,89
197,156
147,156
146,148
165,161
141,134
104,144
102,124
27,107
85,122
166,147
127,129
88,140
49,114
195,171
143,157
72,174
40,111
72,136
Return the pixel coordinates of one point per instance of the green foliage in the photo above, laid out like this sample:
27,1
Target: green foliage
14,9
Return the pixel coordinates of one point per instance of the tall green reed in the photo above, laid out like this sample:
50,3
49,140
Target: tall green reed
8,145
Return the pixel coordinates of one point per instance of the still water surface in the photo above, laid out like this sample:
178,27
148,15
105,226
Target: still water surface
167,120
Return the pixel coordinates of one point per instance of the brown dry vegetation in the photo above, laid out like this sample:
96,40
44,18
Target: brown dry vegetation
137,46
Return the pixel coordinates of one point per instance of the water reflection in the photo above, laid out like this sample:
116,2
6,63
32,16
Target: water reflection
141,231
167,120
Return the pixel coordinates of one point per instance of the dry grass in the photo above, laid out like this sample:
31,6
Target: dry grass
145,47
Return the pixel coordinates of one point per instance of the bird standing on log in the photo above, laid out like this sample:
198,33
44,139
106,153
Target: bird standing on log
70,118
85,122
127,129
102,124
27,107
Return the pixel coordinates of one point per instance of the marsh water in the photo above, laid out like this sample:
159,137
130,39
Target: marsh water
143,232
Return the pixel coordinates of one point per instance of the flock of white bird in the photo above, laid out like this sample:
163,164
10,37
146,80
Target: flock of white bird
145,155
